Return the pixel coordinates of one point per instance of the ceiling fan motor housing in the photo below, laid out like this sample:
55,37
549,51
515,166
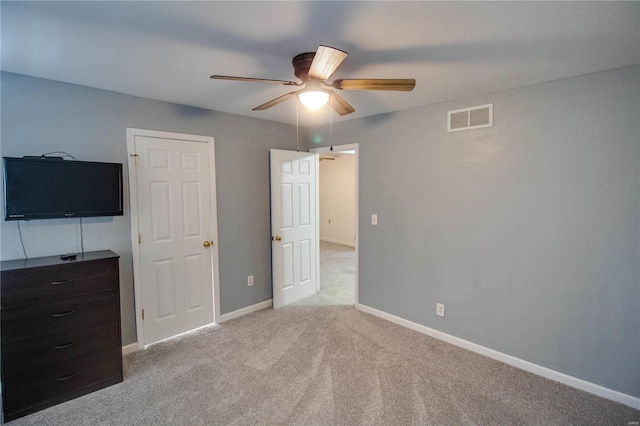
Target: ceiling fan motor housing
301,64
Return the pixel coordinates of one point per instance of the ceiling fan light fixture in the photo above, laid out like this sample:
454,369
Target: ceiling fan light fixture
313,99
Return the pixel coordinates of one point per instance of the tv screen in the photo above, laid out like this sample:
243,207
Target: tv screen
48,188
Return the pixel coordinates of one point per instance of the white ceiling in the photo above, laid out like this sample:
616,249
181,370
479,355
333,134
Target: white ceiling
168,50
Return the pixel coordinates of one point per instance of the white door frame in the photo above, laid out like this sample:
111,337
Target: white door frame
336,149
132,133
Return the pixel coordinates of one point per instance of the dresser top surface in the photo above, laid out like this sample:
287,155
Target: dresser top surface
36,262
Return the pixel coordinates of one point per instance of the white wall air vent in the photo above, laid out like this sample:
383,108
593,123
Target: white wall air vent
470,118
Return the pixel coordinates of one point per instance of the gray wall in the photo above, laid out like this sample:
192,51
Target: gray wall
39,116
528,232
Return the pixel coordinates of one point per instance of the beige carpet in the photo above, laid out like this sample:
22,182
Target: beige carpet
325,365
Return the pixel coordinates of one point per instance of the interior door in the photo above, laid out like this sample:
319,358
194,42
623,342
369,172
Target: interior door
294,241
175,232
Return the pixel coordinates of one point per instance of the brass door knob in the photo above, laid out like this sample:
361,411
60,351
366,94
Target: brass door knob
277,238
206,244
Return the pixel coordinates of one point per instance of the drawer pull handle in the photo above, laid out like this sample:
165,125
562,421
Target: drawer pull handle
64,314
64,345
67,377
62,282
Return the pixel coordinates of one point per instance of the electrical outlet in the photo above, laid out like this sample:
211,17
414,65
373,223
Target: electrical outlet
440,309
374,219
250,280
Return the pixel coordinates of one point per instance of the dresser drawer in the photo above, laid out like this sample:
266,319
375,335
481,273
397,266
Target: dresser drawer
38,386
30,353
76,313
33,285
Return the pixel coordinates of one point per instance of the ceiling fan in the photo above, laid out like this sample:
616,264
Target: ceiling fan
313,69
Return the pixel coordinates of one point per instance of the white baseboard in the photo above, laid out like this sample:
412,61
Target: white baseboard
342,243
226,317
548,373
247,310
130,348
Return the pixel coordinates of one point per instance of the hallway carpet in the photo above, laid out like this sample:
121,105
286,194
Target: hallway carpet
337,276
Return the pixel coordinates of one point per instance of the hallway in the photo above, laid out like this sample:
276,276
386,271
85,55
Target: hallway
337,276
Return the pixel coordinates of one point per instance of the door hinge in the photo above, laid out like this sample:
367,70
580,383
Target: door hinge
143,314
135,158
139,238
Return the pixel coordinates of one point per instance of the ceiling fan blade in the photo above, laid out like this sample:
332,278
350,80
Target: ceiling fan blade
396,84
275,101
339,105
325,62
255,80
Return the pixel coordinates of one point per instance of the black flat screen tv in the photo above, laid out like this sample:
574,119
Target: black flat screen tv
50,188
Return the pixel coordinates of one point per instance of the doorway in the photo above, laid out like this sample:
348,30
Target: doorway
338,224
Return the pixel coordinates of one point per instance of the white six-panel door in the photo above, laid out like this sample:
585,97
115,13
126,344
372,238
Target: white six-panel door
174,212
293,225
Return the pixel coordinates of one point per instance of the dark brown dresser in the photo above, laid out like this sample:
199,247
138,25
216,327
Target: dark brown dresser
60,333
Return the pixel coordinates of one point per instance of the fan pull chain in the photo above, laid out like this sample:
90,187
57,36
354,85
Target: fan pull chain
331,121
297,126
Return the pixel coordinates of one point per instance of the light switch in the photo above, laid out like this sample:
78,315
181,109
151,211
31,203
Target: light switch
374,219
